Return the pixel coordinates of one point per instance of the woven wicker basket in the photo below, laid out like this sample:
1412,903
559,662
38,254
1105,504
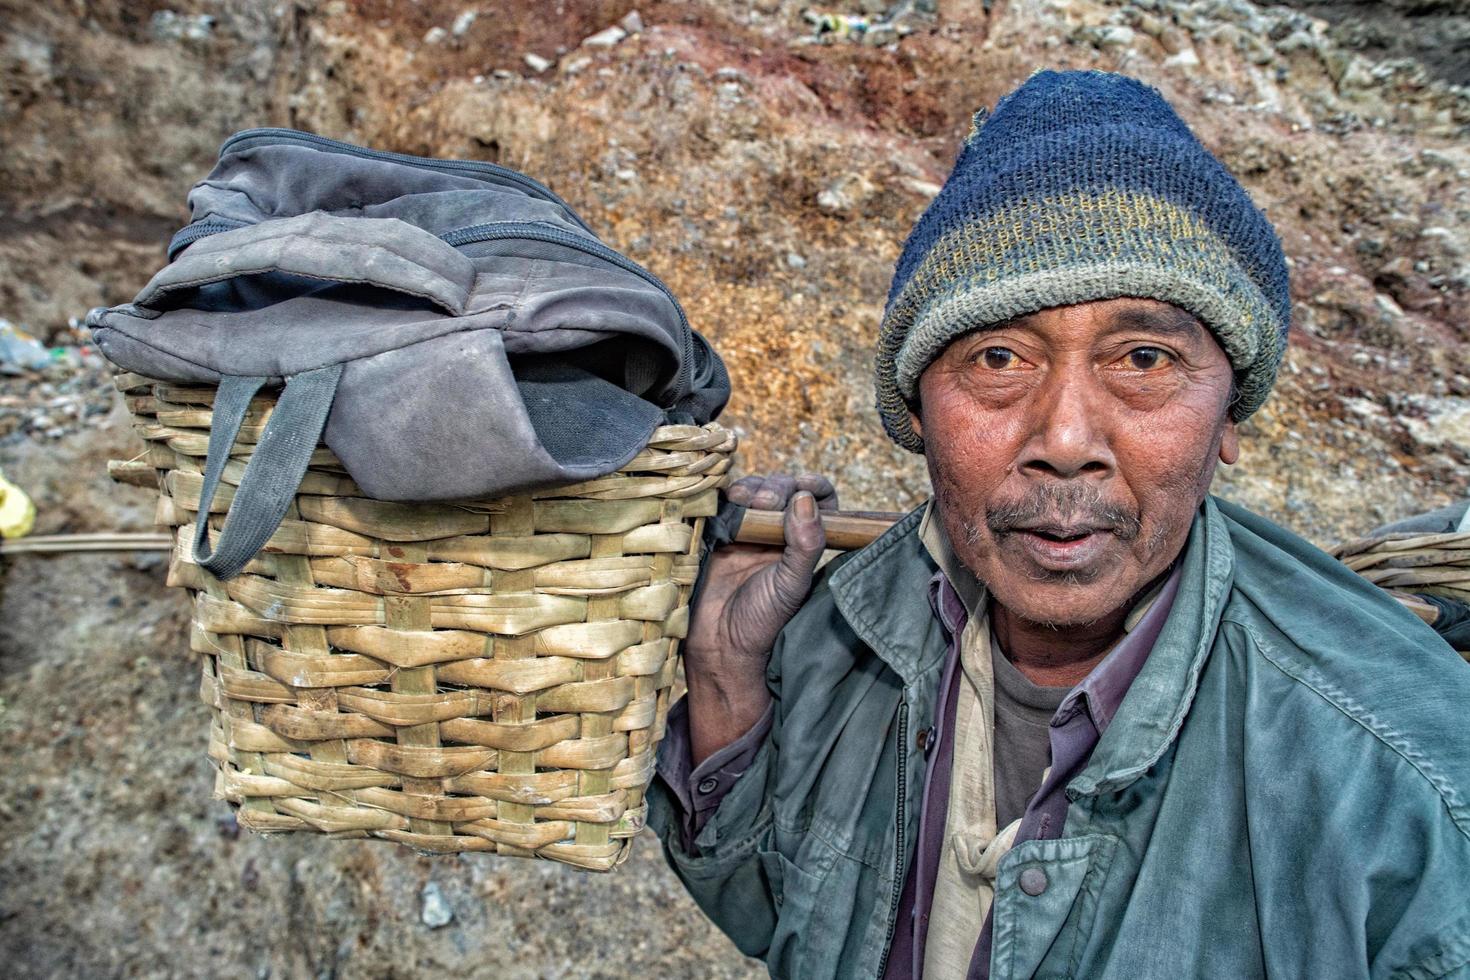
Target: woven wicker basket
1406,563
488,675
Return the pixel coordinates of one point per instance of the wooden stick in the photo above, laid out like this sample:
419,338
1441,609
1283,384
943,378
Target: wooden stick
104,541
849,530
846,530
1415,605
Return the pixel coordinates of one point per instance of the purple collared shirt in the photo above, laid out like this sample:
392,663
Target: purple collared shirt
1075,730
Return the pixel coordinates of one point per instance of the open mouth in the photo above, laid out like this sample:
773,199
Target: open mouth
1061,534
1064,548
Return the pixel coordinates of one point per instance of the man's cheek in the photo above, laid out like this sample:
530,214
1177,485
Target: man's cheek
977,441
967,469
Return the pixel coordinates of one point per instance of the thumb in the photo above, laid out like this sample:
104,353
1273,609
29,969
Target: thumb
805,541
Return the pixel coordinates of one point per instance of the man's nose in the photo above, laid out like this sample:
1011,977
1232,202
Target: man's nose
1069,434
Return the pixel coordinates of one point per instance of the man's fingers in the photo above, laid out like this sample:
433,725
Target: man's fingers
805,540
744,488
765,601
819,487
774,492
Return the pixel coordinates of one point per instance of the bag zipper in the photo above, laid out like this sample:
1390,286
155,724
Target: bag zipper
903,790
477,168
539,232
189,234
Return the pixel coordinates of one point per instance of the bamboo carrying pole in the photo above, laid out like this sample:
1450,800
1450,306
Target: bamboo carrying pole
849,530
101,541
846,531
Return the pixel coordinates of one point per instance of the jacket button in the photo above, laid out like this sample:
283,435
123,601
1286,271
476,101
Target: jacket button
1033,881
708,784
924,739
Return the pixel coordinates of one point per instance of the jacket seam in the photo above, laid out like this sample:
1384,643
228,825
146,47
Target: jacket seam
843,853
809,829
725,856
1346,705
1422,968
1218,574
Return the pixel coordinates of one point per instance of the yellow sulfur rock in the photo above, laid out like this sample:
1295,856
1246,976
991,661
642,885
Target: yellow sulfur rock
17,513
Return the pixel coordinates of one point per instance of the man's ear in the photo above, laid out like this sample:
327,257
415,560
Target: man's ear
1229,444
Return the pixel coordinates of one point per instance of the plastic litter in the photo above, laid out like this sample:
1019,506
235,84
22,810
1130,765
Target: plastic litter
19,351
828,27
840,25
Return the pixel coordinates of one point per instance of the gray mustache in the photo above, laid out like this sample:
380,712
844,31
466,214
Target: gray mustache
1064,505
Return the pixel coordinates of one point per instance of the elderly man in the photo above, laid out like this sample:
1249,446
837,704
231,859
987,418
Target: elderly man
1073,717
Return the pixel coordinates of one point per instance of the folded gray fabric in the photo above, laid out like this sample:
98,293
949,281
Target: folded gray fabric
484,342
1445,520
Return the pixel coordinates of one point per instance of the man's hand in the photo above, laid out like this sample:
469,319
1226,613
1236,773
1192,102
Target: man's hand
750,592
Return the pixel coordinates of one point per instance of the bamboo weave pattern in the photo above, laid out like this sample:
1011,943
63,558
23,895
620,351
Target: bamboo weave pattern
1406,563
488,675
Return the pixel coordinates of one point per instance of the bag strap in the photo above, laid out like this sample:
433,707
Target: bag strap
383,252
274,472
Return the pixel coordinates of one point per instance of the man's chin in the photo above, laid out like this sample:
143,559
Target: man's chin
1058,602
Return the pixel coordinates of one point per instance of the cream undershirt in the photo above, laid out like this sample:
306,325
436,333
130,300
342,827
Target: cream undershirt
964,885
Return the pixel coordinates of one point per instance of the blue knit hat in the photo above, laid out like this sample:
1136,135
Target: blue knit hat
1083,185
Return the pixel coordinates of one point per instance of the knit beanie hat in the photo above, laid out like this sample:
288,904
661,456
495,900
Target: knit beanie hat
1080,186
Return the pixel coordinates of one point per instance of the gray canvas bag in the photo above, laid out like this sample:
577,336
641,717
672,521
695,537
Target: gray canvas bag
450,329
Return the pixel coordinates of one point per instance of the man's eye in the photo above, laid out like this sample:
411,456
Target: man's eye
997,358
1147,358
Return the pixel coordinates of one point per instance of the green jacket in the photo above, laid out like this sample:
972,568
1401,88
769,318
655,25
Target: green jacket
1284,792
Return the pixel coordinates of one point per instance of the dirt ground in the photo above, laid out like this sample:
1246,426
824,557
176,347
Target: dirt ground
769,177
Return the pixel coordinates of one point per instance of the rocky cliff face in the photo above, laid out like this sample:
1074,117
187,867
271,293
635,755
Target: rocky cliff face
769,174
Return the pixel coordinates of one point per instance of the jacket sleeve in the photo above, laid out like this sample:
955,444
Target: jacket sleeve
698,791
733,869
723,869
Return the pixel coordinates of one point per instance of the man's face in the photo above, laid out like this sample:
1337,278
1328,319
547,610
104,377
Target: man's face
1070,448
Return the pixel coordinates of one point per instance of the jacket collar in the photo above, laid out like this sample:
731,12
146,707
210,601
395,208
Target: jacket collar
961,581
1152,712
883,593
